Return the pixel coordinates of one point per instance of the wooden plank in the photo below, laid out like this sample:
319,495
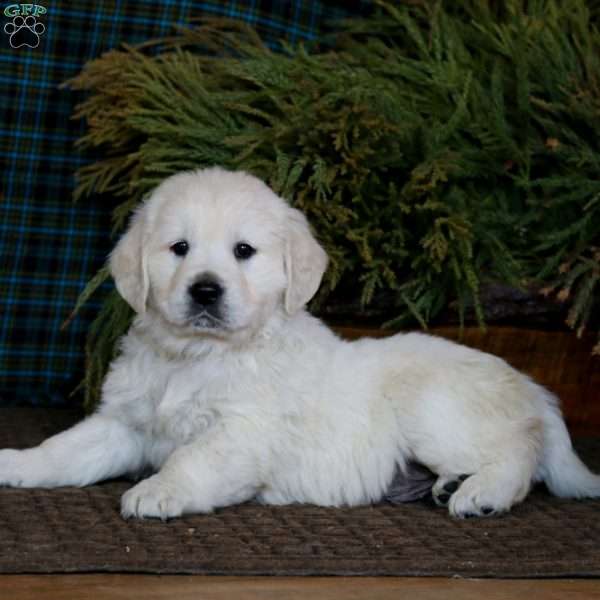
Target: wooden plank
151,587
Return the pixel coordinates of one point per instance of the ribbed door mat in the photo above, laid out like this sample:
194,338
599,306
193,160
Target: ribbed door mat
80,530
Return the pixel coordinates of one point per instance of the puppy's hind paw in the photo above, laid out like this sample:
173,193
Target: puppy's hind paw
478,498
445,486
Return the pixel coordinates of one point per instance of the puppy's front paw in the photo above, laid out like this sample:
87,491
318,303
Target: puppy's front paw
154,498
11,468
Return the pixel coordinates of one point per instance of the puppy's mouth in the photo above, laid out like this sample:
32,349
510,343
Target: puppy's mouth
206,321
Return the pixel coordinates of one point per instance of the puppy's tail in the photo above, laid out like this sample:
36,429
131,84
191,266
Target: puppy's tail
561,469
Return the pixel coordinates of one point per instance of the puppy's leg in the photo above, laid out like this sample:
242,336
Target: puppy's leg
196,478
97,448
503,481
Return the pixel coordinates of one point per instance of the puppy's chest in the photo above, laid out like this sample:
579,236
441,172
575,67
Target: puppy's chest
197,399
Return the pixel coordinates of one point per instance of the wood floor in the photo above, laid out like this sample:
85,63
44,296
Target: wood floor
151,587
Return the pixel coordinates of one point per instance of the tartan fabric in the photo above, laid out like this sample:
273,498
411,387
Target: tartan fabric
50,247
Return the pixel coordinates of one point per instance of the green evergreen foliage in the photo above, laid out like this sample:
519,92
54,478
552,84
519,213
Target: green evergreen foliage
434,146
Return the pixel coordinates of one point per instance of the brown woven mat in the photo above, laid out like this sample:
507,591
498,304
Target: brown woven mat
80,530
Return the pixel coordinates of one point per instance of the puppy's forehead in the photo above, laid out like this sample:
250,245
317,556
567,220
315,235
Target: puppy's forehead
216,200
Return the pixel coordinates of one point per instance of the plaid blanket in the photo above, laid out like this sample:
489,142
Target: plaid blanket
50,247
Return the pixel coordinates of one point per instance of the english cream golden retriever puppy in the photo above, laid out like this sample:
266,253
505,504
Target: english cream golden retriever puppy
230,390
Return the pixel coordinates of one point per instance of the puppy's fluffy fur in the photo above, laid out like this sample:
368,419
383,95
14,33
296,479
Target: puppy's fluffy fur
230,390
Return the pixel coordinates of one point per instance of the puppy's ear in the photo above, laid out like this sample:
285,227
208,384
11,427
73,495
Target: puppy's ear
305,262
127,263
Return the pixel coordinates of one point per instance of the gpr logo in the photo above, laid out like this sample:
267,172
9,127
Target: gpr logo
25,29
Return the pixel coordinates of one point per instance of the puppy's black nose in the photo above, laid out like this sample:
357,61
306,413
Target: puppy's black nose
206,292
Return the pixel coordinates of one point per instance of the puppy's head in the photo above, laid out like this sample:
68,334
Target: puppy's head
217,252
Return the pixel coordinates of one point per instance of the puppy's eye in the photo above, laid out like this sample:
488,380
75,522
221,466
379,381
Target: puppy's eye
180,248
243,251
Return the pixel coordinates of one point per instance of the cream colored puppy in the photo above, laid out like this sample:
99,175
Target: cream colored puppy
230,390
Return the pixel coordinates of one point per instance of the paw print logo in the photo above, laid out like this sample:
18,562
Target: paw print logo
24,31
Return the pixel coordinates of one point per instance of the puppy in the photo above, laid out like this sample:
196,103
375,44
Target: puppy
230,390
